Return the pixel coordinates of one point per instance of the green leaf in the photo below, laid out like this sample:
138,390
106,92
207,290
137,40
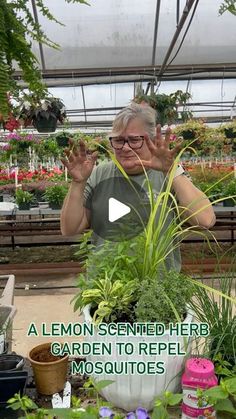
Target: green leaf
60,413
216,393
99,385
225,406
159,413
174,399
15,406
230,385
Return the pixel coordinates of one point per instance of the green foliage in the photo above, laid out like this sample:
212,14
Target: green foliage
23,197
111,283
222,397
162,402
143,263
56,194
32,411
219,313
223,368
17,29
228,6
230,189
34,107
155,295
109,299
212,191
93,388
27,405
166,106
193,132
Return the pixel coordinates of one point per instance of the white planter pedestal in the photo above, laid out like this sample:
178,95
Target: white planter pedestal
131,391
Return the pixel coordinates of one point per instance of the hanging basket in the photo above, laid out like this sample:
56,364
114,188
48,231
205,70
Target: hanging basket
45,124
230,133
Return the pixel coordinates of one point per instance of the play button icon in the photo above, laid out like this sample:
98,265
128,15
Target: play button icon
117,210
120,209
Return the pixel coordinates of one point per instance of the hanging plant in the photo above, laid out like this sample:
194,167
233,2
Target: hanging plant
17,30
42,113
167,106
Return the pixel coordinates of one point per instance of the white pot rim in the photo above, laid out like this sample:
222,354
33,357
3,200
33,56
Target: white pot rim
88,318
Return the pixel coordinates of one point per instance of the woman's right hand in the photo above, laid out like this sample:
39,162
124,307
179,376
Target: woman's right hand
78,162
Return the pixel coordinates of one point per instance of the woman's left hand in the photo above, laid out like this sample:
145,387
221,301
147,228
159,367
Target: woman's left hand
162,157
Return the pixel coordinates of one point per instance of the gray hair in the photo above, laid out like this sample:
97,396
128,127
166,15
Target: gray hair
135,111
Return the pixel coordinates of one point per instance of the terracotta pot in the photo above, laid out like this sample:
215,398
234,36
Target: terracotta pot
50,377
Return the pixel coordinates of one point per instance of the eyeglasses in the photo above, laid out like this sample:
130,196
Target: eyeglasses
135,142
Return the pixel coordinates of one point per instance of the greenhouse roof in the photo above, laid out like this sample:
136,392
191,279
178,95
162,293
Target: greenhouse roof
108,46
135,37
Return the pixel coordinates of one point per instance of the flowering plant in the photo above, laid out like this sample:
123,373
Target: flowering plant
33,108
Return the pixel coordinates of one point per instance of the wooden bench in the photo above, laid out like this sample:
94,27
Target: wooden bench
33,232
40,231
224,228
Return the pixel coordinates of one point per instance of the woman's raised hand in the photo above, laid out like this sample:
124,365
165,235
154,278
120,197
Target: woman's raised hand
161,156
79,162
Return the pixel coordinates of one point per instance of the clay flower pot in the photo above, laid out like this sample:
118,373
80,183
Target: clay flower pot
49,371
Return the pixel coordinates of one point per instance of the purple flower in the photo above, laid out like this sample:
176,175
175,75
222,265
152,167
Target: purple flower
106,412
140,413
29,137
13,136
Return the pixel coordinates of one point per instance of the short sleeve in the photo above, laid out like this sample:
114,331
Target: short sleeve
88,190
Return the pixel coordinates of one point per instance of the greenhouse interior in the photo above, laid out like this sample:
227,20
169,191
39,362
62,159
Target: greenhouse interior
118,154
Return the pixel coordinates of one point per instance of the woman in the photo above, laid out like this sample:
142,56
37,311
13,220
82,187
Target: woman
136,141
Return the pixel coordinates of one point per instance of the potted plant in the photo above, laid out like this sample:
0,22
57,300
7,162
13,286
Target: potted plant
42,111
229,129
55,195
23,199
62,138
166,106
219,313
229,193
130,282
192,131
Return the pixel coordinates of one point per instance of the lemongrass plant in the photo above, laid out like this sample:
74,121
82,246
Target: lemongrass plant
144,257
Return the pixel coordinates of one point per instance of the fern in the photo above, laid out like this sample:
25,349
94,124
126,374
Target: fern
228,6
17,29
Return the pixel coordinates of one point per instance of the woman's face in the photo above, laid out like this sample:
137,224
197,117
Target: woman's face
126,156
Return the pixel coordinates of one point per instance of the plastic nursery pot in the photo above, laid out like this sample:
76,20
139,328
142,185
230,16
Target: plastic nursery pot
229,202
230,133
45,124
24,206
11,363
49,371
11,382
55,206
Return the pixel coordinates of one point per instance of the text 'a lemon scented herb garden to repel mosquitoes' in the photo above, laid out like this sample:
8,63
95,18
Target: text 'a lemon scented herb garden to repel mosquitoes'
134,356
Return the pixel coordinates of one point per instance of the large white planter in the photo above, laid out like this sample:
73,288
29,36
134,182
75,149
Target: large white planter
131,391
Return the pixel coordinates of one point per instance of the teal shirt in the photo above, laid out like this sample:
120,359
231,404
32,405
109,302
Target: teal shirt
109,171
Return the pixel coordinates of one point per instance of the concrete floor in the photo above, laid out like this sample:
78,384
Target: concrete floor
41,305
